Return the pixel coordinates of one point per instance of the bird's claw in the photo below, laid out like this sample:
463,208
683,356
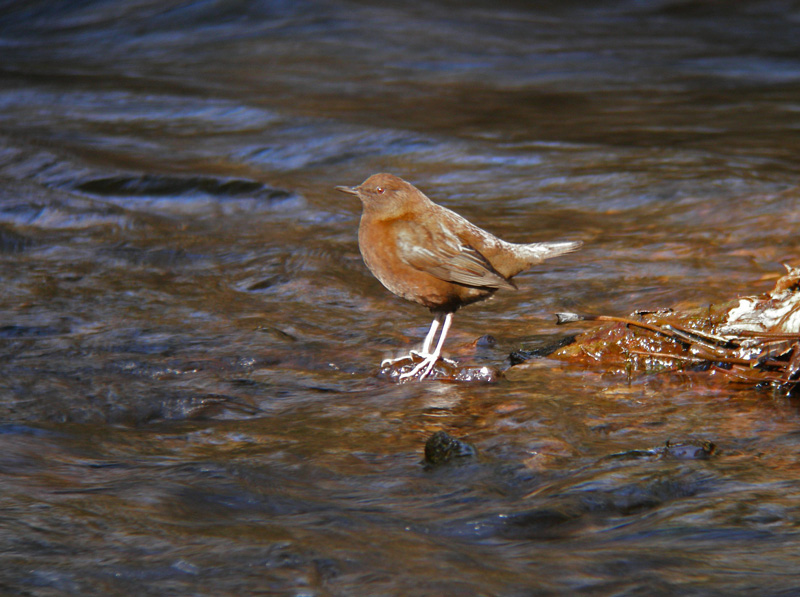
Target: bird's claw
389,362
411,354
426,366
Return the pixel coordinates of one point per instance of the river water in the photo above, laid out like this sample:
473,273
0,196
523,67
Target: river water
189,340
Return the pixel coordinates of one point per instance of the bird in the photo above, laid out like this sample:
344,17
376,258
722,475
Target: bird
428,254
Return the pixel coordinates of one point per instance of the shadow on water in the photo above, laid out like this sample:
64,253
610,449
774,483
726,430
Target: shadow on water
190,342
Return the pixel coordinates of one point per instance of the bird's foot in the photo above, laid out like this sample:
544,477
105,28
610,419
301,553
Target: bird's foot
423,368
412,355
426,355
390,362
411,368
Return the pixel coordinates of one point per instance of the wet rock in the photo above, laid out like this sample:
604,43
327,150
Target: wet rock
540,347
443,370
486,341
442,448
689,449
484,374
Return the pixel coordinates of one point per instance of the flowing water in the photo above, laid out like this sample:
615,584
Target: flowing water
189,339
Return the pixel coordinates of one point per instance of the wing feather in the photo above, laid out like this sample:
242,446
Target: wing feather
446,257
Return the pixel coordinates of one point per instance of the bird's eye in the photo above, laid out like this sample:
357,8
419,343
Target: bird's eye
379,190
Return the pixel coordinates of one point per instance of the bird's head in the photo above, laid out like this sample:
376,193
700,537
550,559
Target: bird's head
386,195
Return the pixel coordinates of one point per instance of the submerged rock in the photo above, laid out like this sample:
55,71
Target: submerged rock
690,449
443,370
442,447
540,347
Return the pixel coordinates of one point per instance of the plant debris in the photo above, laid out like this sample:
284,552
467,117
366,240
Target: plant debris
753,340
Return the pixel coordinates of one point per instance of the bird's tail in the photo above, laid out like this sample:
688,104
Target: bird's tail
538,252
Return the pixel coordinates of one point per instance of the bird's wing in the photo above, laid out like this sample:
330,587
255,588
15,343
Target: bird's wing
443,255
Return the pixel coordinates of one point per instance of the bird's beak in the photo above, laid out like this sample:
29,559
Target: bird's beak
348,190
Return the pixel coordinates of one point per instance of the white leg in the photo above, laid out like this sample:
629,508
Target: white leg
426,365
426,345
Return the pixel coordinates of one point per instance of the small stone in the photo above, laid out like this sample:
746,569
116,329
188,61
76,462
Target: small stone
442,447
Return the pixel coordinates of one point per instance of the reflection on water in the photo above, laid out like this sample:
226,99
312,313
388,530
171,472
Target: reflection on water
189,340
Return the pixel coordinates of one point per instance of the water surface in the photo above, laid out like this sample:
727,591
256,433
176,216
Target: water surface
189,339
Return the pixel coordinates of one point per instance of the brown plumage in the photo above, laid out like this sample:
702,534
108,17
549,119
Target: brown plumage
429,254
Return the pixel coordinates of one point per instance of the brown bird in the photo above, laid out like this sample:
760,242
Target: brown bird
429,254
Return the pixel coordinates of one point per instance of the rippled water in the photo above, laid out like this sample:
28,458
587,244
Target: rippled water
189,339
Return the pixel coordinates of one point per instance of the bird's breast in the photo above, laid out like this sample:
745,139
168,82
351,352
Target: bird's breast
378,243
